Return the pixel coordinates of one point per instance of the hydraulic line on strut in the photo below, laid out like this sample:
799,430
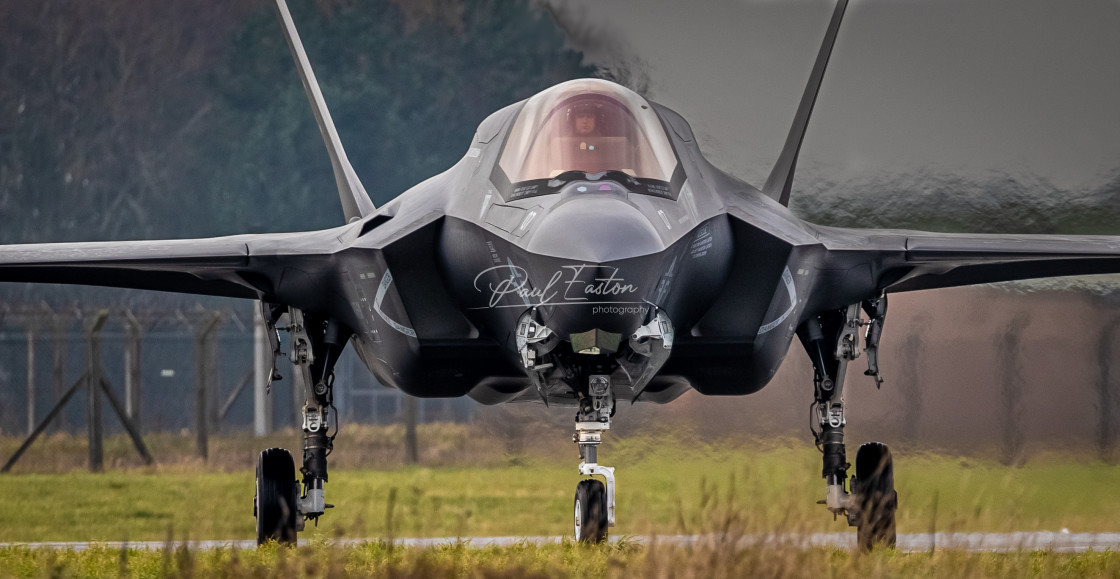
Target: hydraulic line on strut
315,350
828,398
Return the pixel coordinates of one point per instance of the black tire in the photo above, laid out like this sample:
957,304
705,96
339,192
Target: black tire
877,499
590,512
277,493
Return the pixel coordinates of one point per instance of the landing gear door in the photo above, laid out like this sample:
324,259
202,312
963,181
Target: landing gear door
270,314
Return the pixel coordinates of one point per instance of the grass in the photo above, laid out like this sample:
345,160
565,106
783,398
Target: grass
665,486
562,560
471,485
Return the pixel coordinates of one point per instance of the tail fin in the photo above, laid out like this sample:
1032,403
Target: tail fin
781,176
355,201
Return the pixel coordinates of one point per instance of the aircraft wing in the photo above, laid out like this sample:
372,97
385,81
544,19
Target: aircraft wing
241,266
913,260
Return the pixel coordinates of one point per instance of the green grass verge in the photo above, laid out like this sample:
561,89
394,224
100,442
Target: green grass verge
562,560
664,487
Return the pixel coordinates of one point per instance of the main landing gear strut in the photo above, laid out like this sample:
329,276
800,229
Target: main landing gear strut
282,504
594,506
831,340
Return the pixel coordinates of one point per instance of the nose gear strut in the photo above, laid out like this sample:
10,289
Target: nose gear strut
594,508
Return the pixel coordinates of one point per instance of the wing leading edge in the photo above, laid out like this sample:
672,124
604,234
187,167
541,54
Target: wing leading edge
914,260
241,266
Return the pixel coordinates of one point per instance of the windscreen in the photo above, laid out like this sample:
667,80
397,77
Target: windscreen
588,126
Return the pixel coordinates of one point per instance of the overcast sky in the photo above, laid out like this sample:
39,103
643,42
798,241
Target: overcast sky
969,87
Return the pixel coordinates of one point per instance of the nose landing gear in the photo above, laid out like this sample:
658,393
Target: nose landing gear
594,505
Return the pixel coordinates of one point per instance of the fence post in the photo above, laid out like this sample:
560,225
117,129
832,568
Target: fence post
132,388
31,327
1011,390
93,387
201,371
1107,392
213,381
411,446
58,361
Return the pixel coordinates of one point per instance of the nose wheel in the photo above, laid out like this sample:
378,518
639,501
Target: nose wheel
594,504
591,512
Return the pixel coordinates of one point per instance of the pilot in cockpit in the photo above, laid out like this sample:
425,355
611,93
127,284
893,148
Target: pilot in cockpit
588,137
582,117
585,126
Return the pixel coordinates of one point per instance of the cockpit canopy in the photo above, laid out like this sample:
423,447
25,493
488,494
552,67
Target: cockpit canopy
587,126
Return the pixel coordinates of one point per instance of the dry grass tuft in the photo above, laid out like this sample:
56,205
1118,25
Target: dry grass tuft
713,560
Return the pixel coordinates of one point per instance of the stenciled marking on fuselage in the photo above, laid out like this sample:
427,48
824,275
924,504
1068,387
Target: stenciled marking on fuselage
666,282
564,287
383,289
787,278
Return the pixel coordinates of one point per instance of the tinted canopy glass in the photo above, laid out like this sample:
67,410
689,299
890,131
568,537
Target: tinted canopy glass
590,126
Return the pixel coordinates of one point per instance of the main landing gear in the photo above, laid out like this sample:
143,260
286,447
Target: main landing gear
282,504
831,340
276,505
594,504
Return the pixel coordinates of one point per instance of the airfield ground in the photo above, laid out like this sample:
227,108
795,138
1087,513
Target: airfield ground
561,560
469,484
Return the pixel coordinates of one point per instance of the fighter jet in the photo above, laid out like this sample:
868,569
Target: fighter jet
582,253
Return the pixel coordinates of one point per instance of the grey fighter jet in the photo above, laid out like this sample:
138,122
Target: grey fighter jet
583,252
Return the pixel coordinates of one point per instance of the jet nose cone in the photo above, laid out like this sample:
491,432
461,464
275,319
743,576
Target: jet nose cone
595,229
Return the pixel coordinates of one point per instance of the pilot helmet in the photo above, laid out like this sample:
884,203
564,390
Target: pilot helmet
584,109
578,114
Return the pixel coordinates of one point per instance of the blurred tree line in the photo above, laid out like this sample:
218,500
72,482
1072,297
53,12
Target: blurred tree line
995,203
124,120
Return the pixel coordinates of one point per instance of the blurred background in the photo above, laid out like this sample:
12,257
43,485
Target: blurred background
125,120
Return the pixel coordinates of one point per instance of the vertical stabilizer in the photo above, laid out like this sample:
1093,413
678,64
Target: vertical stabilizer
355,201
781,176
